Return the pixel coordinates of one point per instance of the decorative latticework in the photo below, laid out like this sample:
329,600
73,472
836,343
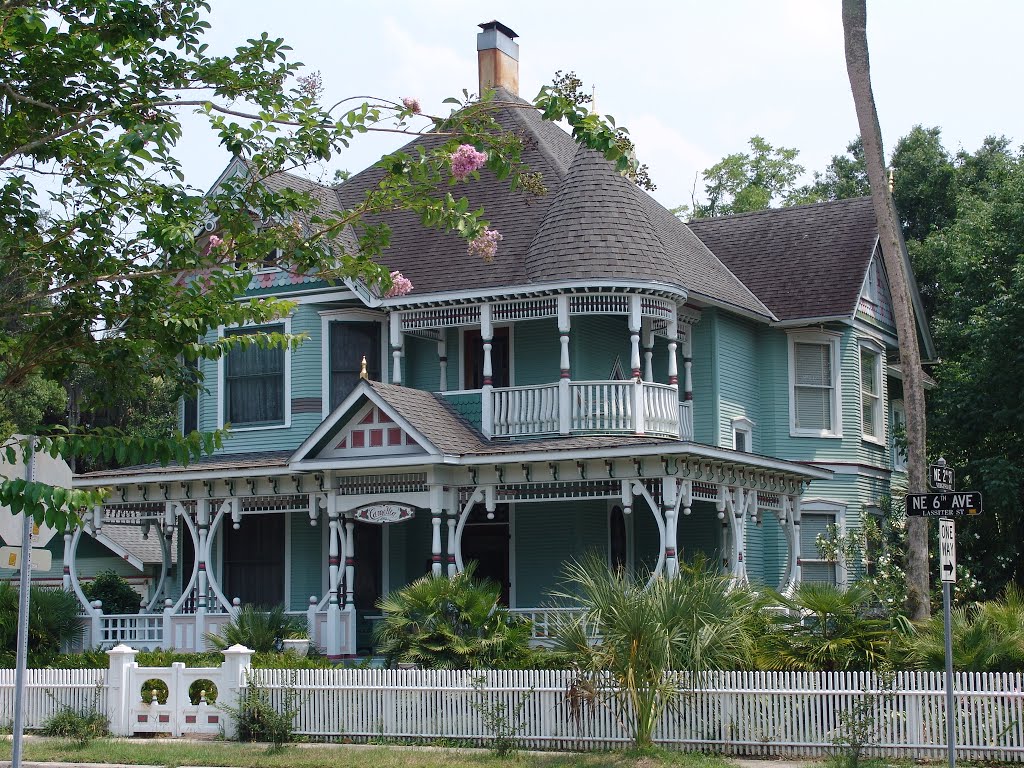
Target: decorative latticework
298,502
525,309
599,304
441,317
132,513
409,482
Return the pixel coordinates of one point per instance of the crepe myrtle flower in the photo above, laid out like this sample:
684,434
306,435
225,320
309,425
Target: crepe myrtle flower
411,104
211,244
465,160
485,244
400,285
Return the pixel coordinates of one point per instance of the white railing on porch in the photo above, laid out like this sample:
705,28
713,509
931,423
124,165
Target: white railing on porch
545,621
602,407
139,630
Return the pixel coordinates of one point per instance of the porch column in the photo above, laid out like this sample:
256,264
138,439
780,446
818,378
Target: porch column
436,510
350,563
720,512
487,395
203,527
736,501
396,348
332,641
565,375
66,578
634,335
673,369
451,501
668,500
687,364
442,362
791,523
647,330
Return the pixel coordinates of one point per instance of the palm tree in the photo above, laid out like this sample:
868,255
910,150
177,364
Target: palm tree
451,623
826,628
257,628
631,637
859,70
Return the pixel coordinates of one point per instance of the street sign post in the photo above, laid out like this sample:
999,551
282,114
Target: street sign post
947,550
964,504
947,569
10,557
941,477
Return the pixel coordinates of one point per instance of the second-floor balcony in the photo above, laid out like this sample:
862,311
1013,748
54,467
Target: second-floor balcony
631,407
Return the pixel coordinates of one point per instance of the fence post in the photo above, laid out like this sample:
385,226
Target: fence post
168,635
233,677
119,688
97,622
311,622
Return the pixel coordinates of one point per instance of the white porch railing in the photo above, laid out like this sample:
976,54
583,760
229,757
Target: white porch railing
545,621
592,407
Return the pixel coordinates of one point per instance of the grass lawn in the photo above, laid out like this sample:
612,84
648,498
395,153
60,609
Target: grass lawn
175,753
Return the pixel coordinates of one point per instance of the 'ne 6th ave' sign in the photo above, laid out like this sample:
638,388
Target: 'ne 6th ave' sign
967,504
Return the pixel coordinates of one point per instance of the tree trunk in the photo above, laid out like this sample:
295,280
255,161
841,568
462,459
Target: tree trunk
858,68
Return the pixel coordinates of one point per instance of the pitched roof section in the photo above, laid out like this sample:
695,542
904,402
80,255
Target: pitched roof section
803,262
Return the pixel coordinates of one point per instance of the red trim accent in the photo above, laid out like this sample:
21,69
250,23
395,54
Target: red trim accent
368,418
358,439
565,373
394,436
376,438
636,372
688,396
383,418
488,381
673,379
190,718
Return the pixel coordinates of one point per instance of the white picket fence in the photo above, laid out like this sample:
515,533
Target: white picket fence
48,691
740,713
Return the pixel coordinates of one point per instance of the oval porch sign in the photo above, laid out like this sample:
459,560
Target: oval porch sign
385,512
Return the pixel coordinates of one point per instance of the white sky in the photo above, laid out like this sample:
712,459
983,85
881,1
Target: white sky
691,79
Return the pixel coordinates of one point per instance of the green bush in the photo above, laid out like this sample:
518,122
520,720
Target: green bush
257,719
78,726
53,622
257,628
117,595
451,623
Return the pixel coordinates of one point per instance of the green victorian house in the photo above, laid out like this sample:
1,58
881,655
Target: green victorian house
616,381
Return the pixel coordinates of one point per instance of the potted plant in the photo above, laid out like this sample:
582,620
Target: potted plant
296,641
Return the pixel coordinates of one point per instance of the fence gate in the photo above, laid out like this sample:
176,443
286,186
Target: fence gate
177,700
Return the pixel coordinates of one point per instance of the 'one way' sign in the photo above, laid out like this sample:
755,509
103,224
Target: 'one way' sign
947,550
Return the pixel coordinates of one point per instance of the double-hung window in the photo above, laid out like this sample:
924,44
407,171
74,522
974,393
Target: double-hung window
254,381
872,424
350,342
814,385
813,566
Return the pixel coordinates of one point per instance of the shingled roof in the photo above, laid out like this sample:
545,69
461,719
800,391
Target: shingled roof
803,262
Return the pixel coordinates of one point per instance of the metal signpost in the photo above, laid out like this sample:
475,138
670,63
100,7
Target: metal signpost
945,505
21,661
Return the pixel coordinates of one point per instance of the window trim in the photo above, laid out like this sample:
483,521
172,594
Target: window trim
823,508
899,459
352,315
221,390
745,426
831,339
872,347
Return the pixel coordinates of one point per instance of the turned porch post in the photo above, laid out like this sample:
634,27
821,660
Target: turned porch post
487,395
442,362
647,331
668,502
565,374
634,335
333,642
688,364
396,347
350,563
203,527
436,510
673,363
451,502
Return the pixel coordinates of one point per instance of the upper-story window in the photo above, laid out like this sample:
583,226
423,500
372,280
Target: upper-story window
872,424
815,398
898,435
742,434
350,342
255,382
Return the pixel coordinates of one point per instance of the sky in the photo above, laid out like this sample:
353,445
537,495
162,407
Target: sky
693,80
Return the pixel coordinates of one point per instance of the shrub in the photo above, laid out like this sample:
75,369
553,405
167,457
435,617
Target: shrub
825,628
451,623
257,628
53,622
79,726
257,719
117,595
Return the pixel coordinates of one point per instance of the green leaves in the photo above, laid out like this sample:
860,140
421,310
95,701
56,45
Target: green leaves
59,508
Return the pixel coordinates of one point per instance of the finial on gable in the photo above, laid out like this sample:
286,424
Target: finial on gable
362,370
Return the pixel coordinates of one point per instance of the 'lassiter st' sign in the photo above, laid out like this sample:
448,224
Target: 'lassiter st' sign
388,512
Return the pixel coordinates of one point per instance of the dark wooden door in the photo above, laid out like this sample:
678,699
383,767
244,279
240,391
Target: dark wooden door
254,560
486,541
473,367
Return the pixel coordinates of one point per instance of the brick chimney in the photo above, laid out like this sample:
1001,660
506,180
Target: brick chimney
498,57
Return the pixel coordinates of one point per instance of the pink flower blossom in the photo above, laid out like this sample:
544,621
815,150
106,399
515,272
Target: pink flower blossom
400,285
413,105
485,245
211,244
465,160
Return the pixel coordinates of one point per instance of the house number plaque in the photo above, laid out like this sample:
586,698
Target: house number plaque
384,513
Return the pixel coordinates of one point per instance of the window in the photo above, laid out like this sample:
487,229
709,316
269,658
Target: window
350,342
473,347
254,382
190,406
872,426
898,435
813,567
814,385
742,434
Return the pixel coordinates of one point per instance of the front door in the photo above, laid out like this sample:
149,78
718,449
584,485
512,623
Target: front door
473,366
368,587
254,560
486,542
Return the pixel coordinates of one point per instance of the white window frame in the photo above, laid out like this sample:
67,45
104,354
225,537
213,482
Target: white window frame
287,423
744,426
837,511
872,347
354,315
833,341
899,459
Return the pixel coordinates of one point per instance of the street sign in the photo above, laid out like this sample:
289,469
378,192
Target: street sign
967,504
947,550
10,557
941,477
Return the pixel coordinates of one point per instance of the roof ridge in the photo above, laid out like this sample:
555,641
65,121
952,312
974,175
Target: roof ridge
781,209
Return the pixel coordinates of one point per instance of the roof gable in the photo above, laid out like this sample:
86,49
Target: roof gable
875,299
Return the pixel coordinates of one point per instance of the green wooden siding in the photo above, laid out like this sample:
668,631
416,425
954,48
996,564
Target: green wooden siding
594,343
467,405
699,533
739,391
536,350
702,374
307,561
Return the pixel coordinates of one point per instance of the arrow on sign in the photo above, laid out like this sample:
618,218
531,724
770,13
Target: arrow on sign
947,568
